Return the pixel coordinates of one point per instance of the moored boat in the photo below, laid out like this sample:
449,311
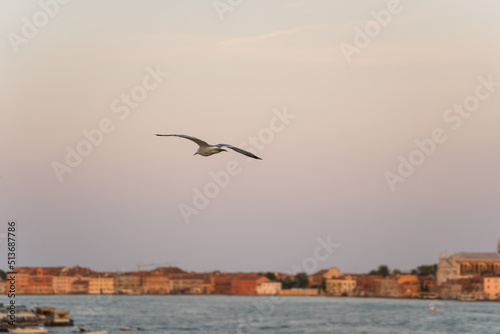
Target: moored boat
27,330
467,298
86,330
24,318
50,317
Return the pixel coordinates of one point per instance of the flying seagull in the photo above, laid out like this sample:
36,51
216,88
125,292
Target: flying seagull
206,150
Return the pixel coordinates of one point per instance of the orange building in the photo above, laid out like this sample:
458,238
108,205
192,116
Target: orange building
491,287
222,285
22,283
40,285
155,283
246,284
243,287
62,284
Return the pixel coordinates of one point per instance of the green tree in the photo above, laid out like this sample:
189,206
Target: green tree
3,275
397,272
382,270
301,280
287,283
427,269
323,284
271,276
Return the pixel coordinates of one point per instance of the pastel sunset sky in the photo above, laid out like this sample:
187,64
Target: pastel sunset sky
377,122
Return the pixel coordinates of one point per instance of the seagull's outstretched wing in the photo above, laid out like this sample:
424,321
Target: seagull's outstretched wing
196,140
239,150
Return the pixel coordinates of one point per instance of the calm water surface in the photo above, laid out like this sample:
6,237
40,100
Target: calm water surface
280,315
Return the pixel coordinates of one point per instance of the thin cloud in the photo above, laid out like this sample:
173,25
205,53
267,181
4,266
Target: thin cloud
268,36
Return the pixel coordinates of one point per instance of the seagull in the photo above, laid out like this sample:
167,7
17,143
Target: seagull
206,150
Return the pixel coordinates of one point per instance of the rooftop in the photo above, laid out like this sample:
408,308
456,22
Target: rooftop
477,256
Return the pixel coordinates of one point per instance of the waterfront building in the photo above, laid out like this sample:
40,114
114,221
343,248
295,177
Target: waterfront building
368,285
185,285
22,283
207,286
315,280
388,287
467,265
463,289
101,285
40,285
246,284
268,287
408,285
62,284
128,284
299,292
156,282
340,285
222,285
80,286
491,287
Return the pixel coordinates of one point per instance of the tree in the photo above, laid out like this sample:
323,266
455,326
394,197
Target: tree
301,280
287,283
427,269
3,275
382,270
271,276
397,272
323,284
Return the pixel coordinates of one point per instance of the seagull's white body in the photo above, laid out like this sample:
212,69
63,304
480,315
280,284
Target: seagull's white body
207,150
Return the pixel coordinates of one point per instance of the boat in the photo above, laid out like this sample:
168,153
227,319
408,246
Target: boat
50,317
467,298
129,329
27,330
86,330
24,318
434,308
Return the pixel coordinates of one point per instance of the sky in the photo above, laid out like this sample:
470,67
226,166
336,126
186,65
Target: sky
376,121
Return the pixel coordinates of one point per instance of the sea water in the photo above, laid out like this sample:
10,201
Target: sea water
280,315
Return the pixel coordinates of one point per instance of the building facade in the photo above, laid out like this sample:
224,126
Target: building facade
267,287
155,283
62,284
185,285
340,286
128,284
491,287
467,265
101,285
